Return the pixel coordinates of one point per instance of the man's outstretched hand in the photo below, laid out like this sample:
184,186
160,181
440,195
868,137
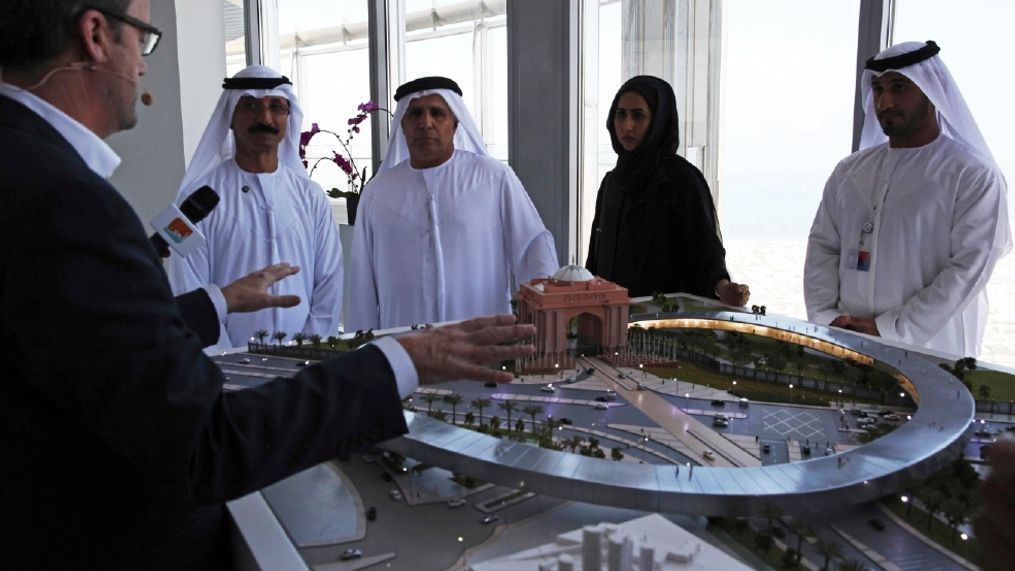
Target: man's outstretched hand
250,293
462,350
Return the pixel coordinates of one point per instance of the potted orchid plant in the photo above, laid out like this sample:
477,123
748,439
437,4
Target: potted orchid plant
343,158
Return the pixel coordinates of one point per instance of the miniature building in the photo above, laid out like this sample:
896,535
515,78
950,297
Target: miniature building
601,307
649,543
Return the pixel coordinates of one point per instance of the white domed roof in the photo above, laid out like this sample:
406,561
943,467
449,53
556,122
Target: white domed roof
572,273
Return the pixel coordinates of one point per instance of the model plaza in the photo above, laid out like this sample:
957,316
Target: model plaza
651,444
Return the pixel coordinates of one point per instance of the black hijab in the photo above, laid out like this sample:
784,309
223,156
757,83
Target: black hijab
661,140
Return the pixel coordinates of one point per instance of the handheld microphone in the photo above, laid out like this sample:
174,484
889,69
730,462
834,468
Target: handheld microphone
195,208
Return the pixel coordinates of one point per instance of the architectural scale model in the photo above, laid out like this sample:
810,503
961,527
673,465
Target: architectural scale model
678,449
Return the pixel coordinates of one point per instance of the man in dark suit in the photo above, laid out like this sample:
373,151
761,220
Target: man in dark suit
119,444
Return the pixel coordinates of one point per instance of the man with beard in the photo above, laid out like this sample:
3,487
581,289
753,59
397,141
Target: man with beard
270,211
910,226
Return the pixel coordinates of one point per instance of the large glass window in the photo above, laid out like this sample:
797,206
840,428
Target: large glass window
601,77
787,92
465,40
973,37
234,23
323,49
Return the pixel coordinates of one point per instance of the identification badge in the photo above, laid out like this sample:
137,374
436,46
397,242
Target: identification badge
863,260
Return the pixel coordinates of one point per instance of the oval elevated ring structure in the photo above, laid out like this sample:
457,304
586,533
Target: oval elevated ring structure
915,450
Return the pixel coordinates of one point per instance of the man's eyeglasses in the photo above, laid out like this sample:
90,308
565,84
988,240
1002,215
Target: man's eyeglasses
255,107
150,35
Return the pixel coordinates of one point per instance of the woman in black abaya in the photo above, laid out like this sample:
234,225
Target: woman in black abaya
655,228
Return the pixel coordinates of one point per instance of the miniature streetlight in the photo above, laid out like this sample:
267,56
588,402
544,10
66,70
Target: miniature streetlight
840,397
791,394
734,388
963,536
905,499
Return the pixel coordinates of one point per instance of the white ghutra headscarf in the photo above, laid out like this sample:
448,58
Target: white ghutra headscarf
217,143
919,62
467,135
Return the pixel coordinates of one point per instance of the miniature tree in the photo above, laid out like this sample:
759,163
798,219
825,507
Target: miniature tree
771,512
470,418
763,541
494,423
299,337
480,404
315,340
533,410
454,399
803,530
985,392
616,453
428,398
261,335
849,564
278,336
827,549
507,407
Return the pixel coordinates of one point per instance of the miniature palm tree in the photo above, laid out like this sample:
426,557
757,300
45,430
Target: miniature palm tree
428,398
261,335
852,565
533,410
507,407
278,336
802,530
771,512
828,550
470,418
454,399
299,338
480,404
315,340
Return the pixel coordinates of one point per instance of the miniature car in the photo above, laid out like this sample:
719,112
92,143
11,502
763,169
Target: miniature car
857,412
876,524
547,388
884,413
604,399
720,420
708,455
984,433
371,514
351,553
829,452
890,417
621,376
566,420
490,385
395,495
766,448
589,371
602,406
456,503
743,401
719,403
244,361
488,519
641,386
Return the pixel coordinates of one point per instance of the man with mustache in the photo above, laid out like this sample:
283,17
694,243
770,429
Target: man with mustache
910,226
270,211
444,231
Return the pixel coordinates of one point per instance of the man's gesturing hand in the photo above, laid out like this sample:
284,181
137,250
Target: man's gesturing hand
460,351
250,293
